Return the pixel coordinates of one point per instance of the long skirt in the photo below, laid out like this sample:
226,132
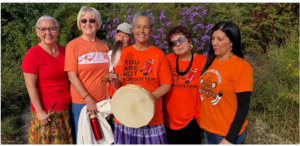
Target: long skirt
154,134
58,131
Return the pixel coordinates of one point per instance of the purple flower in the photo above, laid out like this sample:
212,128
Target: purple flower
169,24
163,36
130,17
148,11
201,26
109,26
161,30
202,44
195,41
116,20
166,47
103,26
161,46
200,48
181,22
129,11
194,28
198,8
209,26
157,42
107,37
132,4
165,43
204,12
113,33
108,19
162,15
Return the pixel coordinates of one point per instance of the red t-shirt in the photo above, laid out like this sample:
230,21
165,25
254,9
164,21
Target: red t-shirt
218,88
52,81
149,69
182,102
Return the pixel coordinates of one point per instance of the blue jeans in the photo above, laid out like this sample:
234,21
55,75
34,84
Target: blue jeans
211,138
76,109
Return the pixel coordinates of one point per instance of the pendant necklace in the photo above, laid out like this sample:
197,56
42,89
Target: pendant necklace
187,69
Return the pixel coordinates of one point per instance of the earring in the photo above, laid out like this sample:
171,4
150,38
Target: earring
191,47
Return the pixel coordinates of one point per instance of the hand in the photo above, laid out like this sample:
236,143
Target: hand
113,76
224,141
43,117
91,105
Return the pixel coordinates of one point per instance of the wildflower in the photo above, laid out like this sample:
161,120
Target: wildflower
116,20
162,15
169,24
129,11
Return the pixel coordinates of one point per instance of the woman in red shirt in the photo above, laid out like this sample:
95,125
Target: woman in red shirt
48,87
182,103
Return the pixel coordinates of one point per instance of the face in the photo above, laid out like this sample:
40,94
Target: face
124,37
142,30
221,44
88,24
182,45
47,31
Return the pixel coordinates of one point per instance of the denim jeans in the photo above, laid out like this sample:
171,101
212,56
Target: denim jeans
211,138
76,109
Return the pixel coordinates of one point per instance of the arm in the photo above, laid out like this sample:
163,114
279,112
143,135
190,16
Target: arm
30,81
243,101
90,102
160,91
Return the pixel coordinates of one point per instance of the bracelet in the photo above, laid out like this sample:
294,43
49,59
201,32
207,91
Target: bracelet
85,95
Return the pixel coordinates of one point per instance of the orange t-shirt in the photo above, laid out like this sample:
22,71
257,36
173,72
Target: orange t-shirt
90,60
182,102
149,69
218,88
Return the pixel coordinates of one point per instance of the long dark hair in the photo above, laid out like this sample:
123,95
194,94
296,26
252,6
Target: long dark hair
232,31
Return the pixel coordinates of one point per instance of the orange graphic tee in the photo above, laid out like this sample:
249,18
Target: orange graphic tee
182,102
90,60
149,69
218,88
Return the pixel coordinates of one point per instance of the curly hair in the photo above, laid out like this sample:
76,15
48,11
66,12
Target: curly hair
179,30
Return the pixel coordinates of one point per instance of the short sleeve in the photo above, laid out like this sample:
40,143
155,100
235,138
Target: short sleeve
71,59
30,62
244,79
164,71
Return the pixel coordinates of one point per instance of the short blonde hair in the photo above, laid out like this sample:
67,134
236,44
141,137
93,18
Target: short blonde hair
83,10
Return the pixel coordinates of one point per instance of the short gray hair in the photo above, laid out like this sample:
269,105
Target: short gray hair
146,14
83,10
46,17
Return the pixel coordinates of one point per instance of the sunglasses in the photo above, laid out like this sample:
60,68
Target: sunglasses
180,40
85,21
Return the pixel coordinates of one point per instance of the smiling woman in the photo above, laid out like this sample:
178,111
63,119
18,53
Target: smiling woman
86,63
48,87
148,68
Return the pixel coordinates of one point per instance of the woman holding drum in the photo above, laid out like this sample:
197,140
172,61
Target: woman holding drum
146,66
182,103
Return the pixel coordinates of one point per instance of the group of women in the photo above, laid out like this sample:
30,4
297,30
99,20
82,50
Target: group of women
191,92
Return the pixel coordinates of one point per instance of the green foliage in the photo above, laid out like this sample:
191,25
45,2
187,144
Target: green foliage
276,88
260,23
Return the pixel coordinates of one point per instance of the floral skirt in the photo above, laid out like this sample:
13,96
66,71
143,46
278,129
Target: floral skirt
154,134
58,131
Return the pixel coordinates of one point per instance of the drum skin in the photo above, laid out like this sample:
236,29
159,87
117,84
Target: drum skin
133,106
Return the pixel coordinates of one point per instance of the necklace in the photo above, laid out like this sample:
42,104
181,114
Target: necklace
187,69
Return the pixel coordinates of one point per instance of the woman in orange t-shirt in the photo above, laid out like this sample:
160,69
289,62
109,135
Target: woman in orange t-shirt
147,66
225,87
182,102
86,63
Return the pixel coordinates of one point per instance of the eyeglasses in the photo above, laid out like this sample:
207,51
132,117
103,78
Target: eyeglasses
180,40
85,21
51,29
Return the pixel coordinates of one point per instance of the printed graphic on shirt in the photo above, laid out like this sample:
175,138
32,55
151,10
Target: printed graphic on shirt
183,81
93,57
209,81
147,67
135,71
